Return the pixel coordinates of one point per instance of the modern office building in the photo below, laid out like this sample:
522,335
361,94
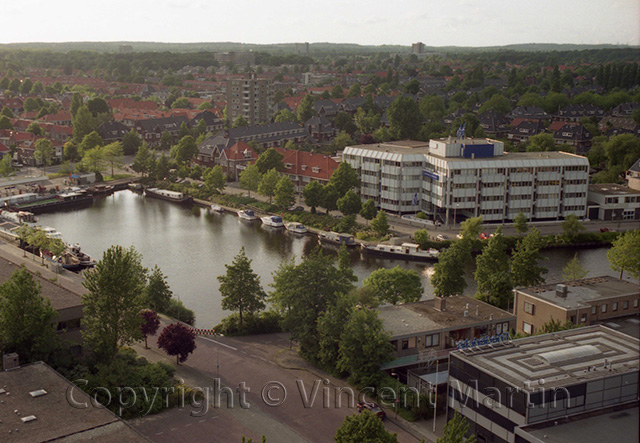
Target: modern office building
251,98
611,202
584,301
542,388
462,177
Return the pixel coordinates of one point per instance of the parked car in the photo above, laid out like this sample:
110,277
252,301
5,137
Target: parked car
604,229
295,208
484,236
441,237
373,407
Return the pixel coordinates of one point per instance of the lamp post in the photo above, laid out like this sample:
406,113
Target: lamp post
397,376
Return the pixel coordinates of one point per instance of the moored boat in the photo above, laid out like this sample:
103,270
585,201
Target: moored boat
274,221
405,251
101,190
172,196
217,208
137,187
336,239
74,199
296,228
18,217
247,214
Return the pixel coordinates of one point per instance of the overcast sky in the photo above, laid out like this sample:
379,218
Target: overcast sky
374,22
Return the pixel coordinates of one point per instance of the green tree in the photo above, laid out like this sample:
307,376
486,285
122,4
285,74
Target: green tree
366,122
622,150
380,224
554,325
498,103
5,166
355,91
250,178
337,92
364,347
520,223
7,112
306,108
240,287
113,302
369,210
624,254
456,430
525,269
571,227
215,179
14,85
182,102
84,123
395,285
35,129
37,88
470,228
162,169
112,154
5,123
90,141
493,273
302,291
285,115
285,193
27,320
330,324
350,203
185,150
449,275
344,178
342,140
43,153
312,194
541,142
365,427
157,294
131,142
412,87
404,118
330,196
166,140
270,159
268,184
143,160
93,160
240,121
97,106
76,102
574,270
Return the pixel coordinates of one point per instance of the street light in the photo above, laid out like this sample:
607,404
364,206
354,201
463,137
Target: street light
397,376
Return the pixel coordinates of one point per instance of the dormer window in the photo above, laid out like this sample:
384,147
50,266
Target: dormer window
288,165
304,167
315,169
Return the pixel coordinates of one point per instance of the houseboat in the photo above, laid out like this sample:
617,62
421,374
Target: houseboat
171,196
405,251
335,238
65,200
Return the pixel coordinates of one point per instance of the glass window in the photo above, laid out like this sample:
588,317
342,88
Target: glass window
635,303
529,308
594,309
604,308
527,328
614,306
625,304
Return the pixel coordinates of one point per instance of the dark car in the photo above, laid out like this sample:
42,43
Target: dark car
373,407
295,208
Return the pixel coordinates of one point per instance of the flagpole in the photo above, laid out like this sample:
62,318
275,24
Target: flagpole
435,397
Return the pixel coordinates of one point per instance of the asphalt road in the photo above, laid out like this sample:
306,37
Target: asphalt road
274,395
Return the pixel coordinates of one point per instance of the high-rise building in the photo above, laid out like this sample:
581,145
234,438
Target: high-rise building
251,98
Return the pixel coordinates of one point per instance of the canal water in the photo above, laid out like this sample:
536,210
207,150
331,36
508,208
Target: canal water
192,249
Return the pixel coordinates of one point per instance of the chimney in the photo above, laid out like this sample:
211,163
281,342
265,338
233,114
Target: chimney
10,361
466,313
440,304
561,291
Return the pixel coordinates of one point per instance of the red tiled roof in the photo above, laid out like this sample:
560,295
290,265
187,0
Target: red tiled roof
555,125
309,164
236,152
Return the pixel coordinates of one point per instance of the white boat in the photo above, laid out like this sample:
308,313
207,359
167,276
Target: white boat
19,217
274,221
217,208
405,251
247,214
50,232
296,228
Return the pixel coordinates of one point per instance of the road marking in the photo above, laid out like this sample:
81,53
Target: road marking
187,425
202,421
174,429
160,433
218,343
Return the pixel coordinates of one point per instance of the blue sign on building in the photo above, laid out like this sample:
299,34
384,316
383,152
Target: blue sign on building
463,344
430,174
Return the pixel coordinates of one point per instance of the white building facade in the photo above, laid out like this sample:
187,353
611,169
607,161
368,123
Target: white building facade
463,178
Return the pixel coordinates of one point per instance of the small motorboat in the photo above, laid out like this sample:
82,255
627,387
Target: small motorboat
296,228
217,208
247,214
273,221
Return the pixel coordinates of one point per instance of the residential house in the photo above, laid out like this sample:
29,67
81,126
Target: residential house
528,112
304,167
320,129
574,135
212,121
633,176
494,124
235,159
15,104
326,108
575,112
112,131
151,130
62,118
523,130
625,110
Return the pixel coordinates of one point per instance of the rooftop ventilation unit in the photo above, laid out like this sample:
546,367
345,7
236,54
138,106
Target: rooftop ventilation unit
562,355
561,291
28,418
38,393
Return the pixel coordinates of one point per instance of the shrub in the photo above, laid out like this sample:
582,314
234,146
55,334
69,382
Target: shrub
180,312
263,323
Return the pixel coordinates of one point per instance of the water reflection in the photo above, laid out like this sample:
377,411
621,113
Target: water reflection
192,249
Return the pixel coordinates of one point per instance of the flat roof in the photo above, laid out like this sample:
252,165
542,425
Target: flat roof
612,189
560,358
59,297
413,318
519,156
629,325
581,293
592,427
56,418
396,147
